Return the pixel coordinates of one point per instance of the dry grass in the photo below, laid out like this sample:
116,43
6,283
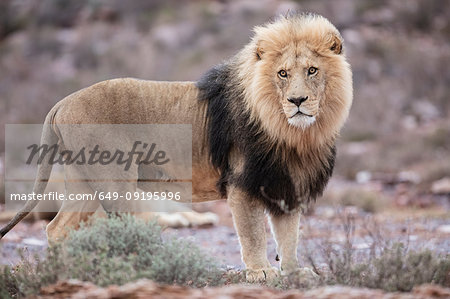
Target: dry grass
391,266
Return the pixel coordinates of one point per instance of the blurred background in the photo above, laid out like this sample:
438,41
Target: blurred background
394,152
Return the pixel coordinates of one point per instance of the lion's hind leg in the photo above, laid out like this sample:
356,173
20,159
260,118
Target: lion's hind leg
72,212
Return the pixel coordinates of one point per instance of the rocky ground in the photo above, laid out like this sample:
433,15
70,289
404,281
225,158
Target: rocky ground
327,223
149,289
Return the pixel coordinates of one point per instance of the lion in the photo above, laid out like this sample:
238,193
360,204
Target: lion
264,126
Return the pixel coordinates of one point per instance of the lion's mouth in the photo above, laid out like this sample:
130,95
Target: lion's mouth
300,113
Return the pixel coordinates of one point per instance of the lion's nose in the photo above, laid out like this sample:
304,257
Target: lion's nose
297,101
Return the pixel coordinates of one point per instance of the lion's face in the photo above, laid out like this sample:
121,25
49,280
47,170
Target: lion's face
298,77
300,83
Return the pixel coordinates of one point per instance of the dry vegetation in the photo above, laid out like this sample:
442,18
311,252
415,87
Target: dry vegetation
121,250
386,264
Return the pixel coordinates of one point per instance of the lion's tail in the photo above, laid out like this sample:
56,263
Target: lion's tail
44,170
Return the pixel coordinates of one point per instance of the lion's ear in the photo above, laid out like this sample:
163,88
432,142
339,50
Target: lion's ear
336,44
259,52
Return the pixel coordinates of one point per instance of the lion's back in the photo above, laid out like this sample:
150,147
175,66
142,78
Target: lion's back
130,101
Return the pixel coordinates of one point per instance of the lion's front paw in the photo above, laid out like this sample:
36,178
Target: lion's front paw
304,276
261,275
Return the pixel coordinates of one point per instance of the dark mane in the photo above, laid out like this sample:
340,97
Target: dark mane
266,174
215,89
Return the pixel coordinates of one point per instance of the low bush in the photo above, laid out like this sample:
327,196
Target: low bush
113,250
386,265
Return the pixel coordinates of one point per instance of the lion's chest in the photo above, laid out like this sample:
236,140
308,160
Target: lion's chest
284,182
310,173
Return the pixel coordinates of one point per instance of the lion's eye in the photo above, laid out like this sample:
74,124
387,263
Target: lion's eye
312,70
282,74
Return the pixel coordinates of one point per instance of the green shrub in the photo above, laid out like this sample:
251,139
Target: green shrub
109,251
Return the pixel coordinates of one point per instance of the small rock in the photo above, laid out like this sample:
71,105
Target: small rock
326,212
409,177
361,246
363,177
409,122
444,229
425,110
441,186
33,242
413,238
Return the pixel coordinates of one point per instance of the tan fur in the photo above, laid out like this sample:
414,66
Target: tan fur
293,44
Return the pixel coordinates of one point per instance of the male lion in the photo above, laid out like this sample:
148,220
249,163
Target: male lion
264,126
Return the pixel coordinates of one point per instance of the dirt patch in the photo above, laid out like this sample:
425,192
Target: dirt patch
149,289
